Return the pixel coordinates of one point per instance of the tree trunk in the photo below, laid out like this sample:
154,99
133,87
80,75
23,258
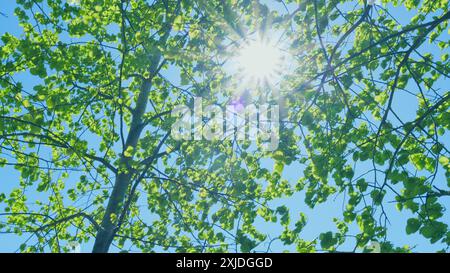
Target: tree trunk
106,233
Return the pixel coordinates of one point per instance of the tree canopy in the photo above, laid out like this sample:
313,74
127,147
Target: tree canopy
87,89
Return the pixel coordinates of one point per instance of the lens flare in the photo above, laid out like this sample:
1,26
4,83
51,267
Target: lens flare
259,61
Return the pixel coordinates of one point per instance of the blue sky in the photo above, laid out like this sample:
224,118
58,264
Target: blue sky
319,218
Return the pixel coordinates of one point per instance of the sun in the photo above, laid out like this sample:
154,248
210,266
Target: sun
259,61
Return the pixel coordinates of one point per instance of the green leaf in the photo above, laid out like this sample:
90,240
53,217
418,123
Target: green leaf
412,226
327,240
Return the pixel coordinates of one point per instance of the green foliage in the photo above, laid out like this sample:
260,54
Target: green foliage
88,135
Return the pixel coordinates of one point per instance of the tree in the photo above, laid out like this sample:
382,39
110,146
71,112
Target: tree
92,144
